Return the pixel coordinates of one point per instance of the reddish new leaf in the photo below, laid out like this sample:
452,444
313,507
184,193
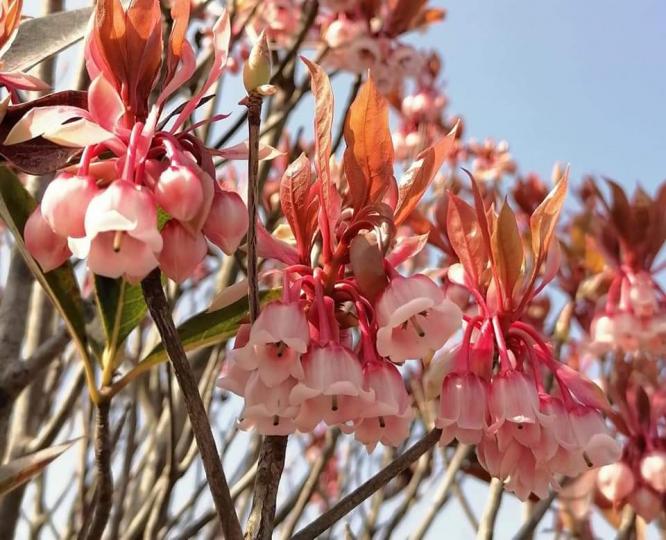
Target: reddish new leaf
508,248
544,219
402,16
465,237
323,94
418,177
368,158
294,199
180,14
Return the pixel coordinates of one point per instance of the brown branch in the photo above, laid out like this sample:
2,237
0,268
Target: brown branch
217,482
378,481
273,448
104,488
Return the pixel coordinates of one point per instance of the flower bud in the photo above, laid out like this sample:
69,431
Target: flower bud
227,221
257,69
179,192
181,251
49,249
65,202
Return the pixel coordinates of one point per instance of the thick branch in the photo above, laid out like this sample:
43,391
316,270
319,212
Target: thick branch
217,482
378,481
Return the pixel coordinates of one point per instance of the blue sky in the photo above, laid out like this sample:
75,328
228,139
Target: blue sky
578,81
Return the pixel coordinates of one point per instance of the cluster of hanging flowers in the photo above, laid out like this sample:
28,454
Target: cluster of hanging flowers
493,391
144,193
329,350
631,317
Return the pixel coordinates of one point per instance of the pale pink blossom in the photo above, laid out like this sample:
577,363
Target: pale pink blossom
48,248
463,408
227,221
181,252
278,339
268,409
121,232
179,191
415,318
388,419
65,202
332,388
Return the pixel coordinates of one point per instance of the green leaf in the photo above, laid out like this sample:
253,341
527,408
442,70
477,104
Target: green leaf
16,205
38,39
19,471
121,306
208,328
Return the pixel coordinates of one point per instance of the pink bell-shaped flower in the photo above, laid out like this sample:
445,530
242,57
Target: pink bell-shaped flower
278,338
332,388
513,398
179,191
414,318
181,252
233,377
65,203
121,232
49,249
615,481
653,470
462,408
594,440
268,410
387,420
227,221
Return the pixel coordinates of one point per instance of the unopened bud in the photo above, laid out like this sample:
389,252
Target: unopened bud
257,69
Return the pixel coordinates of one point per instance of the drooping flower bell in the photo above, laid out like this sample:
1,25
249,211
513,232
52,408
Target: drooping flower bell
415,318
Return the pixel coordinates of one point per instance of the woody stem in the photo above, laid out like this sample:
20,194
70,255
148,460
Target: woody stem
273,448
217,481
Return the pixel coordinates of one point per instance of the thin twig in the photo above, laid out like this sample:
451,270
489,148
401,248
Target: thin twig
310,484
217,482
627,528
487,522
527,529
360,494
442,492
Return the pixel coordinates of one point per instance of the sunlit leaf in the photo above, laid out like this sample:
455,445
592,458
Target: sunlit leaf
38,156
465,237
544,218
294,199
22,469
16,205
38,39
508,247
368,158
419,175
323,94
